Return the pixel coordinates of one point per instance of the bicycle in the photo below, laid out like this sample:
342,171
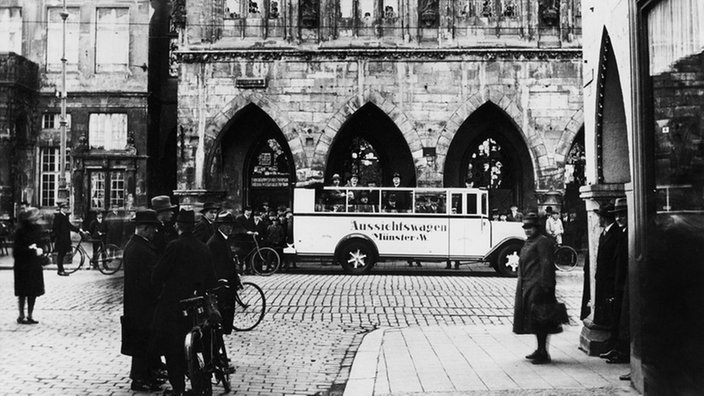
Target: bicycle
250,305
565,258
206,355
108,258
263,259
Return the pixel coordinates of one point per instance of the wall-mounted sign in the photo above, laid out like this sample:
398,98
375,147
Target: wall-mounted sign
249,83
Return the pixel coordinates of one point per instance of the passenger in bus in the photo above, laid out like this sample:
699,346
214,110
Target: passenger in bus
396,180
495,216
353,181
421,205
364,206
391,205
335,199
335,180
514,215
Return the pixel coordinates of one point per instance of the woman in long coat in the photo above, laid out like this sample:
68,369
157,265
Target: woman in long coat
536,285
28,271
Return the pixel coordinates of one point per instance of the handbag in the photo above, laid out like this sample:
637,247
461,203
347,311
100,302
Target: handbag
550,313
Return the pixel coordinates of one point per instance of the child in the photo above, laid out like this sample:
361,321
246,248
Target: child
553,227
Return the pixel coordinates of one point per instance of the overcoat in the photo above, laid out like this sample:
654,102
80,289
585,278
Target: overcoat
61,229
536,283
114,224
164,234
204,230
605,274
28,272
140,258
185,267
245,223
224,269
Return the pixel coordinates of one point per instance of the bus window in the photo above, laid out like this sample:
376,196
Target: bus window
396,201
456,204
430,202
362,201
330,201
471,203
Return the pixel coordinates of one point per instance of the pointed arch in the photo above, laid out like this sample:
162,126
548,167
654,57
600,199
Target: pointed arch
572,128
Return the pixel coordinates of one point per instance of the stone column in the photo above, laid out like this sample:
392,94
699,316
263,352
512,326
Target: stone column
594,337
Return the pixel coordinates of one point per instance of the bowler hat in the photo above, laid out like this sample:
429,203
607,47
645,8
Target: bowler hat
186,216
225,218
145,216
336,176
620,205
606,210
396,174
161,203
210,206
531,220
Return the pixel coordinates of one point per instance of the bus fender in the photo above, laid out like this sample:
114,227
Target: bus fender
494,250
357,236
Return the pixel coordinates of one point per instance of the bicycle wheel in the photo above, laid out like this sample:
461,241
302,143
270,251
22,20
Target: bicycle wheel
223,364
250,305
195,362
74,260
109,259
565,258
265,261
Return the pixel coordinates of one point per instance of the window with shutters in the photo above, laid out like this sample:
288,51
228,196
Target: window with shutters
112,39
54,38
11,29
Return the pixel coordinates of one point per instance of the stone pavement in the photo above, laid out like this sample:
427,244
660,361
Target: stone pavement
311,336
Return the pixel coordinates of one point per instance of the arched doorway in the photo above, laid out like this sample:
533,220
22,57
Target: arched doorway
252,162
573,211
370,145
488,151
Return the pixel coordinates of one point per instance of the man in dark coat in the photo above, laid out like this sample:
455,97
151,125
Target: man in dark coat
224,268
97,232
246,219
165,231
185,268
605,272
536,285
61,230
114,224
140,257
28,271
205,227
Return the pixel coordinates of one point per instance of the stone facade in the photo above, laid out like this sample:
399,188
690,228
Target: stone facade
312,87
91,89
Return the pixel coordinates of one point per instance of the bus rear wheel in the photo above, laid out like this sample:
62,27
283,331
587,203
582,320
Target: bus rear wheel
356,257
506,262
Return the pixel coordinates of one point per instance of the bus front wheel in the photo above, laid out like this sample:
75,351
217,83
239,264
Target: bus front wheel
506,262
356,257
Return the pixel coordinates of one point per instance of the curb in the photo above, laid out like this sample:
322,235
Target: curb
363,373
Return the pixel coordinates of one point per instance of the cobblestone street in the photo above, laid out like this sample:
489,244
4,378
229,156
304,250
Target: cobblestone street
306,343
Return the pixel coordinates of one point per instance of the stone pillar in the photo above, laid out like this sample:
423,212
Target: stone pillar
594,337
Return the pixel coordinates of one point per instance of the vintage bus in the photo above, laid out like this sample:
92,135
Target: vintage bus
360,226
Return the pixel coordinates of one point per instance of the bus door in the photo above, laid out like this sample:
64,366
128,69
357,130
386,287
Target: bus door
469,227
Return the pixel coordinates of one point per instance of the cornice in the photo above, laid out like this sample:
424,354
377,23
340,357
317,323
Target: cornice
420,54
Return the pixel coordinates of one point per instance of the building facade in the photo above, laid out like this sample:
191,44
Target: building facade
106,82
644,128
274,95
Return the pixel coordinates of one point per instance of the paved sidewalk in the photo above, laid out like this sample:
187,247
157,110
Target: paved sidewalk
477,360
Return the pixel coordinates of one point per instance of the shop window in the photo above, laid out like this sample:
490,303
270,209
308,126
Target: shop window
107,131
49,175
53,121
54,38
676,59
112,39
486,166
11,29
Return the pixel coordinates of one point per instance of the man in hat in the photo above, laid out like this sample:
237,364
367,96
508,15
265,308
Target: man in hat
246,219
335,180
553,227
165,231
140,296
224,268
605,273
619,338
61,231
515,215
185,269
205,227
396,180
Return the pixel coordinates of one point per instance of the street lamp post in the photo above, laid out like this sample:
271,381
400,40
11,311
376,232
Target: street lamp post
63,192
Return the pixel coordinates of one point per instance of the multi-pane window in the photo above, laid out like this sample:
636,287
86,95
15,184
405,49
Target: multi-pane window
107,131
54,38
112,39
11,29
53,121
97,190
49,176
104,185
117,189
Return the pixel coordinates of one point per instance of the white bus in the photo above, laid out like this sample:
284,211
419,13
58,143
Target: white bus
360,226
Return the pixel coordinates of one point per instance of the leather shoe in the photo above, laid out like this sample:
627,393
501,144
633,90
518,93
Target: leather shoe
609,355
62,274
144,386
618,359
542,359
625,377
533,355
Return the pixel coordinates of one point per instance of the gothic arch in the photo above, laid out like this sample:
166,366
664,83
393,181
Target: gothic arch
572,127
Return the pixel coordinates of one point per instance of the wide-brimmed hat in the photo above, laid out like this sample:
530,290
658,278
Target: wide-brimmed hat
620,205
210,206
531,220
186,216
145,216
225,218
161,203
606,210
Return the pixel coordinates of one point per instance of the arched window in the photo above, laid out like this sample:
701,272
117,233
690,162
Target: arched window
486,166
